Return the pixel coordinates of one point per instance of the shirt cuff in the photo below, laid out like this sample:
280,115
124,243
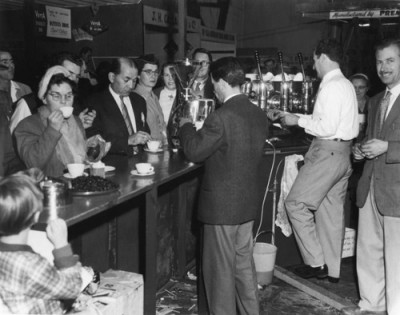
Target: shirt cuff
64,258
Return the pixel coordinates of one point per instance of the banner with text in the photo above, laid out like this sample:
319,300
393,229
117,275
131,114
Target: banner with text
366,14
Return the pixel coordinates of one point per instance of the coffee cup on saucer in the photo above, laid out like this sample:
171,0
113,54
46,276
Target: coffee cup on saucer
144,168
76,169
153,145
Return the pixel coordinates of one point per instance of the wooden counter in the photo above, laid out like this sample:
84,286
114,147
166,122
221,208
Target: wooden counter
95,221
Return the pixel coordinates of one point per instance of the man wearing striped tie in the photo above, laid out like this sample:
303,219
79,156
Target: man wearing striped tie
121,113
378,193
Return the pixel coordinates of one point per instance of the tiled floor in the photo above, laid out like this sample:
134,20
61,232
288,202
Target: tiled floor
279,298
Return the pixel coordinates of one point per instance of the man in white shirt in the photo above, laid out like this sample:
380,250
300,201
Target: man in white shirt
315,204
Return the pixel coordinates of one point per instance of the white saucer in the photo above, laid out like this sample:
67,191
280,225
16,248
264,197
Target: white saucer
68,175
109,168
135,172
157,151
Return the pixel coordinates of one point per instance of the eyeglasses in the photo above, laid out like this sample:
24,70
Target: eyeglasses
151,72
202,63
7,62
57,97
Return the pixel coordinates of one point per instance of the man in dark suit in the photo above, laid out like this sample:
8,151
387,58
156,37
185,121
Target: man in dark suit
202,85
121,113
231,144
378,193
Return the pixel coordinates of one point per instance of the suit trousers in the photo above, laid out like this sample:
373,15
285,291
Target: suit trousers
378,256
315,204
228,269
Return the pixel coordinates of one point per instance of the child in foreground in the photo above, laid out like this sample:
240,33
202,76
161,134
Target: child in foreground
29,284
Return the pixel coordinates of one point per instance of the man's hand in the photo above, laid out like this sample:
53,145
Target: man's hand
139,137
87,117
57,233
274,114
288,119
373,148
357,152
56,120
184,120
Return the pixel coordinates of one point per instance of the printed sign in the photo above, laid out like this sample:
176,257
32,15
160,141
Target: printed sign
369,14
58,22
160,17
40,20
213,35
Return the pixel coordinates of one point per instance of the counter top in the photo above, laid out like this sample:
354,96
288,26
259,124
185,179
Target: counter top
168,165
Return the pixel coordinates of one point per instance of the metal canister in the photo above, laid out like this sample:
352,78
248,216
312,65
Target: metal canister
55,194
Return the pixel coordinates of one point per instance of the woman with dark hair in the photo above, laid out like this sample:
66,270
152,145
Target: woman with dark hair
52,138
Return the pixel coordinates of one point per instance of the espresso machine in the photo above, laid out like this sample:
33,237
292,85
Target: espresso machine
189,106
283,94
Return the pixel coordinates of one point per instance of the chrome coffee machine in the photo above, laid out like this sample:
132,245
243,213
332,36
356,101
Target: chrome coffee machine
189,106
280,92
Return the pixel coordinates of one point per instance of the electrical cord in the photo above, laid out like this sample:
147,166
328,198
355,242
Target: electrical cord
269,141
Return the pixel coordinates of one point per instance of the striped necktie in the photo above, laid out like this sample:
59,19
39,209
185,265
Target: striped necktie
383,107
125,115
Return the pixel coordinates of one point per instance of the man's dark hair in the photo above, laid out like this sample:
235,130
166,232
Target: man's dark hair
330,47
62,56
116,63
228,69
85,50
386,43
146,59
202,51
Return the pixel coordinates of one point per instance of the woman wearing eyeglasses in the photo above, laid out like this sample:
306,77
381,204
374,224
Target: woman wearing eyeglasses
148,76
361,85
52,138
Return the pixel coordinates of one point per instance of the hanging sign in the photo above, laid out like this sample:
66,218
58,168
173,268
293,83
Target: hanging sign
160,17
367,14
58,22
40,20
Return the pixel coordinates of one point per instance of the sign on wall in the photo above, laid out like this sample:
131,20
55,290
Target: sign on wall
58,22
369,14
160,17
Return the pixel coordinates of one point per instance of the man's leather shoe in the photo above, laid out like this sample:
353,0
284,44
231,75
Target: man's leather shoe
333,279
356,310
307,272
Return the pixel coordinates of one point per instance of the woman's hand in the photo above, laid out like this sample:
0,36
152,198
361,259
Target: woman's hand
87,117
56,120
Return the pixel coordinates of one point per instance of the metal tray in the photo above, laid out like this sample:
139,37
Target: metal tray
92,193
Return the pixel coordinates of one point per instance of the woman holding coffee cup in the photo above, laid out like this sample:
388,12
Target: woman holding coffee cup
53,137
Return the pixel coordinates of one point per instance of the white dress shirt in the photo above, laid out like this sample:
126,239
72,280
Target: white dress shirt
129,107
335,112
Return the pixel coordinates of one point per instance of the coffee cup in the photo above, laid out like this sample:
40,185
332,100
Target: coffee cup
67,111
75,169
153,145
144,168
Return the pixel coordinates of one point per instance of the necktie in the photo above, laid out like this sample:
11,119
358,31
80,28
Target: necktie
125,115
383,106
197,87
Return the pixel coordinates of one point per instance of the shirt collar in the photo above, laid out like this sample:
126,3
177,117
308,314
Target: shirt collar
331,74
395,91
5,247
230,96
142,90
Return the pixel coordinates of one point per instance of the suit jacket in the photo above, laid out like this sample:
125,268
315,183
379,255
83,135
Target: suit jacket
109,122
385,169
231,144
